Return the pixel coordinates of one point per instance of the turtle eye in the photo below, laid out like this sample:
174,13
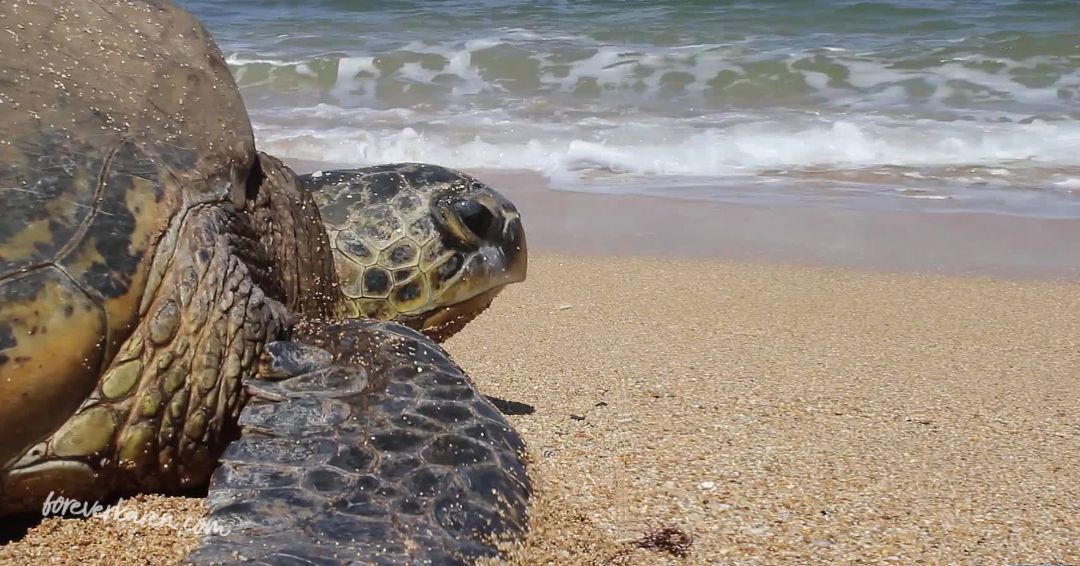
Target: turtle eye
474,216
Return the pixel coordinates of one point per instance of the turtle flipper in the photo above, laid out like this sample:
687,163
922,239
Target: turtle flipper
380,452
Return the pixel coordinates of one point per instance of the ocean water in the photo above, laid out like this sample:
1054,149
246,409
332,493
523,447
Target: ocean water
940,105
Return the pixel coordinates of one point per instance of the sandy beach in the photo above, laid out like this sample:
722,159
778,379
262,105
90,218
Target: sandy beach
777,414
782,385
803,283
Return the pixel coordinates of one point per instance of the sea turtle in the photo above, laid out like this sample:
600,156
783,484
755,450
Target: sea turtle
175,305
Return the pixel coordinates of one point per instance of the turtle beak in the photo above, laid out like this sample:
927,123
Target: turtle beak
506,237
514,250
447,321
492,224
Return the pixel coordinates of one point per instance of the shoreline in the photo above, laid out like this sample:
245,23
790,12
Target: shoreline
945,243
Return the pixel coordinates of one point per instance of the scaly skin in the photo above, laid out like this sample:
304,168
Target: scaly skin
93,170
375,448
149,256
157,419
418,244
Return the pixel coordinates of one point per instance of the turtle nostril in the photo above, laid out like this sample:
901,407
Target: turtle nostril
476,217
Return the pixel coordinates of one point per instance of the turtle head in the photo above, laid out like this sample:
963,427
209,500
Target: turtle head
419,244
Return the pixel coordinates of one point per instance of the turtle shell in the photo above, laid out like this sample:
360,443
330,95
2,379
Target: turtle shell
115,118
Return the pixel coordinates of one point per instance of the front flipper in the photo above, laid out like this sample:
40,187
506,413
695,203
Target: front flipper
378,450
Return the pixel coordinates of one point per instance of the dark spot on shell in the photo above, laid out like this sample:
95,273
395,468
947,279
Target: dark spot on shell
288,359
411,506
424,175
353,245
367,483
422,228
426,482
448,413
283,451
408,202
46,173
360,506
449,267
334,205
7,337
394,468
353,459
449,393
325,480
114,226
408,291
388,491
289,497
447,379
415,421
379,222
382,186
348,529
376,281
403,253
453,450
395,441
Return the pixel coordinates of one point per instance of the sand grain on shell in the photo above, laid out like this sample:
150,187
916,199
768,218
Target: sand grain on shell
779,415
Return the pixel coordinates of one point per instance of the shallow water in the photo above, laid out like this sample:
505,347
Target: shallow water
932,105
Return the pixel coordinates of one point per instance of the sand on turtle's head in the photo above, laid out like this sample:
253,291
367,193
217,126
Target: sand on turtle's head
419,244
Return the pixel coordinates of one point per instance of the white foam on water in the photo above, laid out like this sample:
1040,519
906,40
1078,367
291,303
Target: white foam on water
642,70
608,117
349,70
658,148
927,197
239,60
672,97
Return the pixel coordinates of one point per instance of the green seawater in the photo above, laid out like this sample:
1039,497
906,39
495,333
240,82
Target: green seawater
935,105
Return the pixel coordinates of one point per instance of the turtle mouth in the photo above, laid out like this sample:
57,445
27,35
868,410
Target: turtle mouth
443,322
493,267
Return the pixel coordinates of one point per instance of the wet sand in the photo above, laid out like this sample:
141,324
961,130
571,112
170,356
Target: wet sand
775,411
952,243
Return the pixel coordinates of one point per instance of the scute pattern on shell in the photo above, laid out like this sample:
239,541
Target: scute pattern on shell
390,428
114,117
402,246
151,265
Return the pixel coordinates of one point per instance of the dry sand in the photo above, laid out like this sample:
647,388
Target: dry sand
777,414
